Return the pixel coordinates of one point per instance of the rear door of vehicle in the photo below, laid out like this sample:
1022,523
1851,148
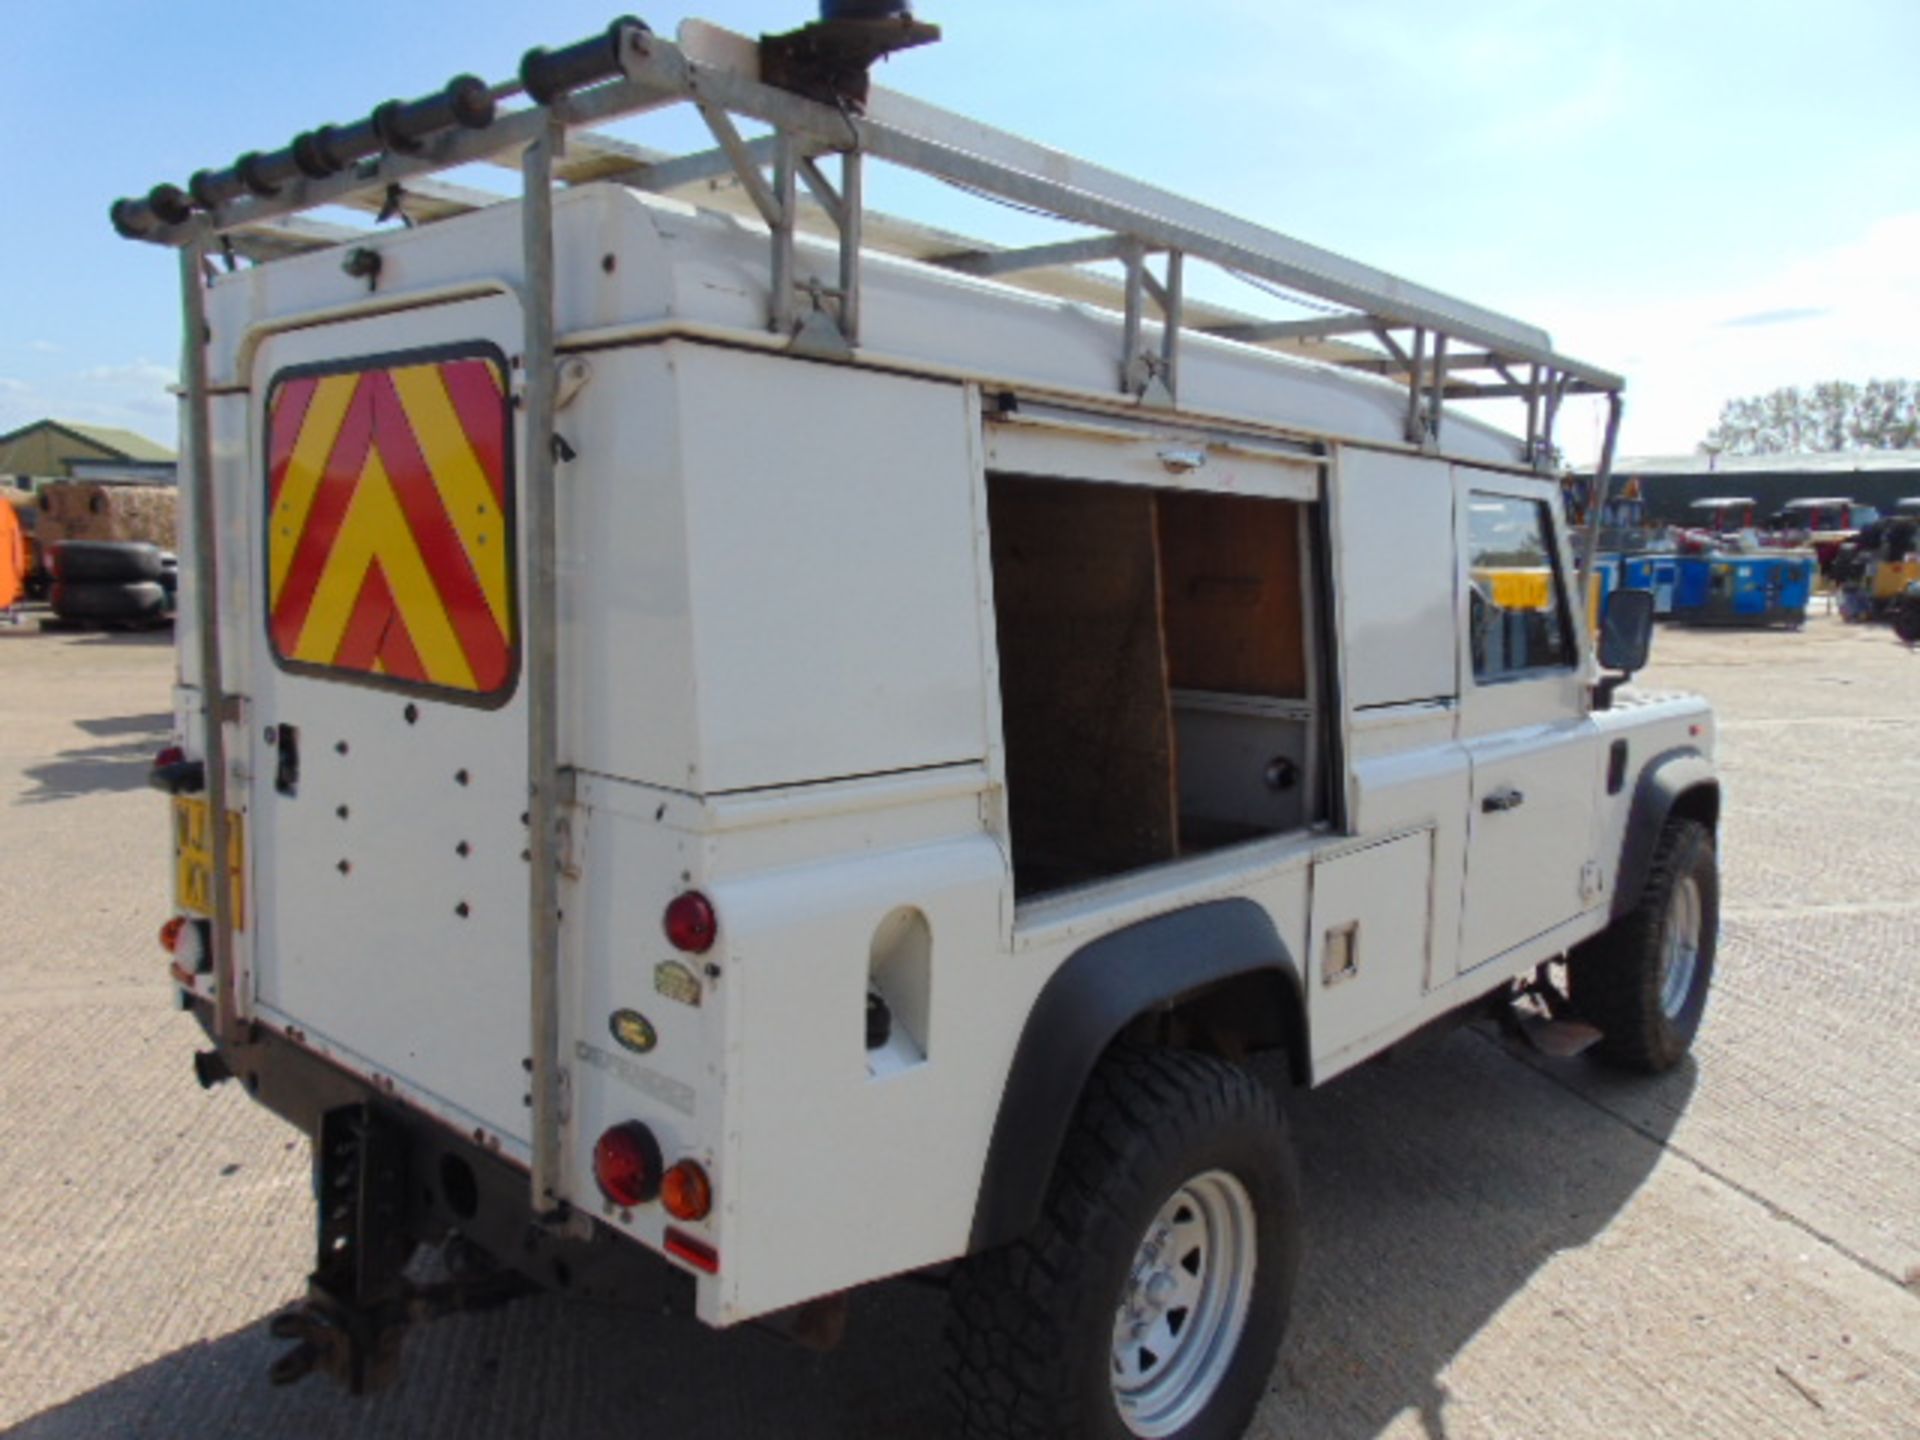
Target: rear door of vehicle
388,783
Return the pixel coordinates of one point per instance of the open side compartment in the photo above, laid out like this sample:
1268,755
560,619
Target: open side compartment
1157,675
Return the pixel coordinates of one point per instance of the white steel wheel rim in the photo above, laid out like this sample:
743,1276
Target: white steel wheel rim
1184,1305
1680,948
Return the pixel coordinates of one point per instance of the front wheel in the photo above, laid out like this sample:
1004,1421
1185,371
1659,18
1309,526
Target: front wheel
1151,1299
1644,979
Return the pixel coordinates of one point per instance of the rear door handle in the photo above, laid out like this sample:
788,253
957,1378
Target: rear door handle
286,774
1499,800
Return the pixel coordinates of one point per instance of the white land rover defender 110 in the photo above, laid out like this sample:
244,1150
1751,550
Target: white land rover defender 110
754,736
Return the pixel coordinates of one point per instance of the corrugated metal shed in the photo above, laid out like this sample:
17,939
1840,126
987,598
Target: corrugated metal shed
1670,484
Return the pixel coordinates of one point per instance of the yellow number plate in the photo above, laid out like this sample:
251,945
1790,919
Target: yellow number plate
193,858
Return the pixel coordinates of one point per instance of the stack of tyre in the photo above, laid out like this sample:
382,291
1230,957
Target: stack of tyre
113,582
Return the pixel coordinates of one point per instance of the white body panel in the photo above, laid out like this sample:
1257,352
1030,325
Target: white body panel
779,686
1397,602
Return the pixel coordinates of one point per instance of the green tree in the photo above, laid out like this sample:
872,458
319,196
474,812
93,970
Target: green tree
1833,415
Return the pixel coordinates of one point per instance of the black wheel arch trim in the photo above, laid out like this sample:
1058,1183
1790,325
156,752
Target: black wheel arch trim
1664,781
1093,997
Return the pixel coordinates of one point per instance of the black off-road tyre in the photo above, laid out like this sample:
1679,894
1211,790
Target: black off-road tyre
104,562
1031,1333
140,600
1906,619
1618,981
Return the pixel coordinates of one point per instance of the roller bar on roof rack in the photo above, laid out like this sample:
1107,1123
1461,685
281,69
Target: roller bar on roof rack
1432,342
917,136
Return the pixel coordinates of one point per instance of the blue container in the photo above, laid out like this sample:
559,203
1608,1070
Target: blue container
1658,573
1754,590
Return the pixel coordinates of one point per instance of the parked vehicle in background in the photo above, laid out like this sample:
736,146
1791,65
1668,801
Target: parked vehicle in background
1874,570
1820,525
1719,516
980,729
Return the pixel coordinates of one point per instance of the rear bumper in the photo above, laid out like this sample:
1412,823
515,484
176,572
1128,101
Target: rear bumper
455,1186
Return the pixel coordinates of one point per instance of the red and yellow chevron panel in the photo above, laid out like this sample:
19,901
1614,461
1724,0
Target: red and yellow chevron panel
390,523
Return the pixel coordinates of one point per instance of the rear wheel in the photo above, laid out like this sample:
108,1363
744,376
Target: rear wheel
1151,1298
1644,980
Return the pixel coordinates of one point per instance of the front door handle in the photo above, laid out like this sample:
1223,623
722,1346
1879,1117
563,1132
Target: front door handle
1499,800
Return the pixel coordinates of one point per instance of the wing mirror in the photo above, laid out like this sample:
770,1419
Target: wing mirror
1626,637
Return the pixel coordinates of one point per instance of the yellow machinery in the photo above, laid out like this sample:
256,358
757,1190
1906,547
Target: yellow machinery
1890,579
1523,588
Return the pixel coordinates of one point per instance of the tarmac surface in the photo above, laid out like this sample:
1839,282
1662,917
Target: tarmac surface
1498,1245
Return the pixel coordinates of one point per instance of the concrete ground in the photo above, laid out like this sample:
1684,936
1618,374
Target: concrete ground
1498,1246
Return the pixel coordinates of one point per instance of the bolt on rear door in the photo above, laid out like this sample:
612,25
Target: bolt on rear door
388,750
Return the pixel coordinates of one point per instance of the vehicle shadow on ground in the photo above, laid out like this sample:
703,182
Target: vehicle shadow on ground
1436,1188
119,763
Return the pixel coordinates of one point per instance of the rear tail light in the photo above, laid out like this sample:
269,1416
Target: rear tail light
626,1165
697,1253
174,774
690,923
686,1192
187,941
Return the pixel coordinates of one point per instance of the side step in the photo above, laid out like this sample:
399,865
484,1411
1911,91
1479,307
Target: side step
1539,1016
1558,1039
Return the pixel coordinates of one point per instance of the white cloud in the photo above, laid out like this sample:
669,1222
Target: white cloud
43,347
132,395
140,375
1848,313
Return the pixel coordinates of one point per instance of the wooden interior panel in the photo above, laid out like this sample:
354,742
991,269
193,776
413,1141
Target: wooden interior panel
1083,679
1235,618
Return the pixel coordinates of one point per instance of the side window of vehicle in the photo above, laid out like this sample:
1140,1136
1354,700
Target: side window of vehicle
1518,620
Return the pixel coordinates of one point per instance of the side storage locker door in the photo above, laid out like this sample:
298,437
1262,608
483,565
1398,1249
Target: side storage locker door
1371,931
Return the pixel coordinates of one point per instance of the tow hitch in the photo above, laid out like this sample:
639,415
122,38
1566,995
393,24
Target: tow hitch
360,1302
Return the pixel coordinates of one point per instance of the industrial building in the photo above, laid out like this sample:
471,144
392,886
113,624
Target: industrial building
68,450
1670,484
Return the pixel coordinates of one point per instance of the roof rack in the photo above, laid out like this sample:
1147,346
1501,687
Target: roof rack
1442,348
1439,347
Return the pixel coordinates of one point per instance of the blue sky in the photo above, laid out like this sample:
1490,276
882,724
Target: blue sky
1713,196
